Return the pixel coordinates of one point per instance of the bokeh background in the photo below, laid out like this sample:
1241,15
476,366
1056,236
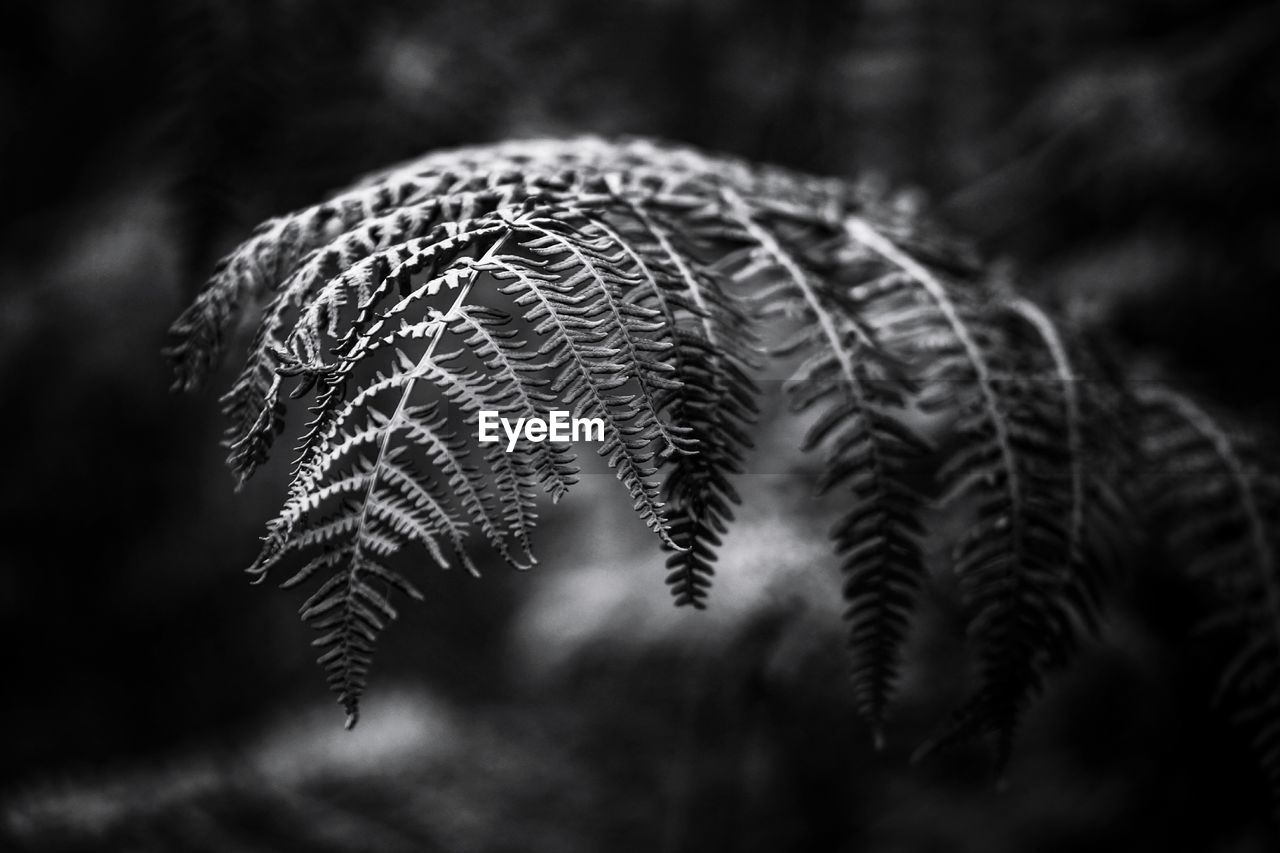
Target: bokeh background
1120,155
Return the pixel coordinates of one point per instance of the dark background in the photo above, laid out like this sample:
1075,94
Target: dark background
1121,153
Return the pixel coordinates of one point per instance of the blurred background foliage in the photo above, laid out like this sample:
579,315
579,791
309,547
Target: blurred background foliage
1122,154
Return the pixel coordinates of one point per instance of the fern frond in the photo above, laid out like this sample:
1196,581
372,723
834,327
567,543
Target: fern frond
856,386
713,347
1019,474
931,318
1035,613
631,282
1214,489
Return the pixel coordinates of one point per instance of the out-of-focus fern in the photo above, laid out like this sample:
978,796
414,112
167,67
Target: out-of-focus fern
1218,494
645,285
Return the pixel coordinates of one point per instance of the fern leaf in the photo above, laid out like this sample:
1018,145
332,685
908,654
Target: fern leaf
855,385
712,347
1019,474
1221,500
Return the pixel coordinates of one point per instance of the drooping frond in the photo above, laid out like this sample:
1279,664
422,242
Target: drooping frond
642,286
1024,566
1061,518
860,392
579,276
1218,494
713,347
